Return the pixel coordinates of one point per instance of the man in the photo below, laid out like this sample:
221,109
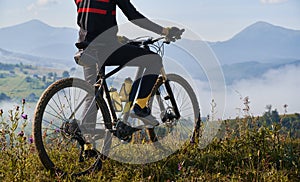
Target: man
97,18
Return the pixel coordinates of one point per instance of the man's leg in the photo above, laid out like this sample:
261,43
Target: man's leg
90,108
134,56
153,64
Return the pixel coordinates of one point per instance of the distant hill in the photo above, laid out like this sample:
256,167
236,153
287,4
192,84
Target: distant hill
16,58
262,42
37,38
250,53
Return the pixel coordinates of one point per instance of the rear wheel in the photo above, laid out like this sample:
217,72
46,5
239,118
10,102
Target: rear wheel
58,135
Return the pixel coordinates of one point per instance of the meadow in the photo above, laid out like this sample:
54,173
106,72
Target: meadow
265,148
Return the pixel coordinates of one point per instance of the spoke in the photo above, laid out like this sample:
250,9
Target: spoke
68,99
111,151
52,133
74,102
59,100
189,131
182,110
178,93
61,118
76,109
49,122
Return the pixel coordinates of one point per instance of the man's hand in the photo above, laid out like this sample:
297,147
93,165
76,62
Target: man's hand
172,33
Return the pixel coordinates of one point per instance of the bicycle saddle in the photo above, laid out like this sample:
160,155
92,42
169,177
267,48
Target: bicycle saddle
82,45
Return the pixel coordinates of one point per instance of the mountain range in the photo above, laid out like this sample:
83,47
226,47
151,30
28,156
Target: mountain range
39,39
261,42
254,50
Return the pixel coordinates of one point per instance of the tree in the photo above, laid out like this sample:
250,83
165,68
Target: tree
4,97
44,79
32,97
275,116
271,116
65,74
28,79
50,75
54,77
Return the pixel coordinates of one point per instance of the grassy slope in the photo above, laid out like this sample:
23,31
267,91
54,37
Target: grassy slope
16,86
250,154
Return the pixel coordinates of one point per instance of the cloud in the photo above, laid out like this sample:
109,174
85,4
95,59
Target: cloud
46,2
272,1
276,87
34,7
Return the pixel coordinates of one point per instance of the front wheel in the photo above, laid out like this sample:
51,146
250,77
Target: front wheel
58,133
176,104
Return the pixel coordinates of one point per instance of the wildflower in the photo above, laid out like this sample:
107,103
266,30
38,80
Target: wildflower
285,106
1,112
23,101
30,139
179,166
21,134
57,130
17,108
24,116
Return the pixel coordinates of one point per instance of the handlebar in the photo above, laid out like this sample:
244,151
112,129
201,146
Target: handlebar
146,41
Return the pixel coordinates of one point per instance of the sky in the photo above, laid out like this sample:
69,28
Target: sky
212,20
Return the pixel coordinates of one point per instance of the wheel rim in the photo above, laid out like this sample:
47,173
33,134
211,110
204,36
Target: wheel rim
174,132
60,144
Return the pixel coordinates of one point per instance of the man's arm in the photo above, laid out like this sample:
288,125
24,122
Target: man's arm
137,18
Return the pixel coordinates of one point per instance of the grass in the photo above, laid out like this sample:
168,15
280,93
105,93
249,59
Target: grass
19,82
245,149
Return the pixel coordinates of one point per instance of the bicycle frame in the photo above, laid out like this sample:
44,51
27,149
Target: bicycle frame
102,88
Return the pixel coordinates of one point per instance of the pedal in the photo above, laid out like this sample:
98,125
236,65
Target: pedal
124,131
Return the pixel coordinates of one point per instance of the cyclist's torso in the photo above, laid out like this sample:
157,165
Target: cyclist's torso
95,17
98,16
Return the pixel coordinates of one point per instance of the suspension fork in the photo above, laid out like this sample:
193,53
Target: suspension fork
170,96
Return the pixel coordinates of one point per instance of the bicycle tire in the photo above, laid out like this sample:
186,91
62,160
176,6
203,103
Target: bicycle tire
41,126
178,86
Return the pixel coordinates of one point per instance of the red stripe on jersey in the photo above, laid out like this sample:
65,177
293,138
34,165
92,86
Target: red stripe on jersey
92,10
105,1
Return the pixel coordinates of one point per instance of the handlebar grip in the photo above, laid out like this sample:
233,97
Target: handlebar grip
174,34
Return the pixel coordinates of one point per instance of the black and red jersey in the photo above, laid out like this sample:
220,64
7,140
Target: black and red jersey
97,16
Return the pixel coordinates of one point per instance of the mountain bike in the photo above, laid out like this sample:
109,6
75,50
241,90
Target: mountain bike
59,136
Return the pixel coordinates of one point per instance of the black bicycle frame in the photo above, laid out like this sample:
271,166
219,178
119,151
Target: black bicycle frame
102,87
